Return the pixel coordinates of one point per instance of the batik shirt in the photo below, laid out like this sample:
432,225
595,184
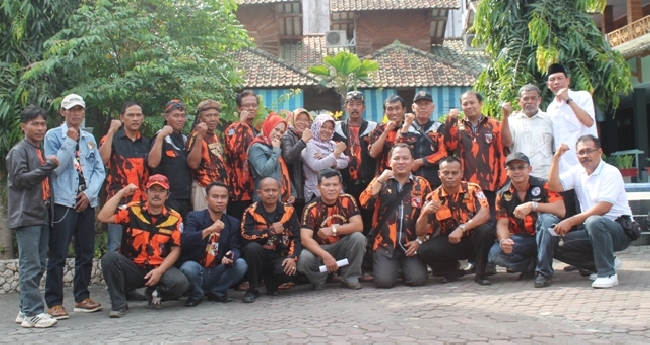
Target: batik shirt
212,167
318,214
127,164
239,137
456,209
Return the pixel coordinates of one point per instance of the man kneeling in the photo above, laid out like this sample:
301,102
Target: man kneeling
331,230
525,207
272,235
151,242
210,241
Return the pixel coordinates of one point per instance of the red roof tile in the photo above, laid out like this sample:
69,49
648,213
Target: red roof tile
264,70
369,5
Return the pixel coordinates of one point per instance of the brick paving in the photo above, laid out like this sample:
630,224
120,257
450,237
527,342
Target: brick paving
508,311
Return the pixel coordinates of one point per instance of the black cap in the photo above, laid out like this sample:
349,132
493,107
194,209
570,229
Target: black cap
517,156
355,95
556,68
422,95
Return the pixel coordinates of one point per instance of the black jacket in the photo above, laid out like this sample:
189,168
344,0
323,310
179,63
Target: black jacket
368,164
25,203
193,246
292,146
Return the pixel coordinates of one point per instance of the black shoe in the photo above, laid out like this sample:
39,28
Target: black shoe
526,275
114,314
220,299
454,276
192,302
541,281
318,286
510,270
482,281
585,273
570,268
134,295
491,269
153,297
250,296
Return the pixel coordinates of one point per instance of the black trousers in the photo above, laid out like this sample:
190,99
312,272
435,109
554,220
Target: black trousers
264,263
366,216
443,256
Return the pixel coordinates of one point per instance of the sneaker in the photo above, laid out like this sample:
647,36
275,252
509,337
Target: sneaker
87,306
604,283
153,298
250,296
58,312
20,317
617,265
41,320
116,314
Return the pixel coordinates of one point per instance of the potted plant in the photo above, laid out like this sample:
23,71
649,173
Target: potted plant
624,164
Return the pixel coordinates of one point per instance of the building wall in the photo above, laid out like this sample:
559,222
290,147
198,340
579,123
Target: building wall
272,101
455,21
261,23
316,16
376,29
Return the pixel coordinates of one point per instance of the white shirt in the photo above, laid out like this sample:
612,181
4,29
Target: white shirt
566,126
604,184
533,136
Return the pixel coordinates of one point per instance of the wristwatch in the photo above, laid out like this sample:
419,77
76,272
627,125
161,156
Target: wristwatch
334,230
418,240
462,228
569,100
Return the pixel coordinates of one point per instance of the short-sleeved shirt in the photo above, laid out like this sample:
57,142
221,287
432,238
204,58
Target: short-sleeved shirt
480,150
173,165
508,199
398,227
318,214
533,136
212,167
431,149
239,137
127,164
604,184
566,126
257,227
457,209
147,239
391,138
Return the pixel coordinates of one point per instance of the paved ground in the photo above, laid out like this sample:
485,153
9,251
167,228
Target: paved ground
569,311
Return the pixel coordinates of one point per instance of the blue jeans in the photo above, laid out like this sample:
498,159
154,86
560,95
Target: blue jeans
32,256
114,237
522,257
545,244
217,280
67,223
593,248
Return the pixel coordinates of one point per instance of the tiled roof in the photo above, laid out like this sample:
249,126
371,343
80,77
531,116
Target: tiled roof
404,66
257,2
370,5
265,70
454,50
309,51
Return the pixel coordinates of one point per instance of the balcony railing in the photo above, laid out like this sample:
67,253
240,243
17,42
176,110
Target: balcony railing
629,32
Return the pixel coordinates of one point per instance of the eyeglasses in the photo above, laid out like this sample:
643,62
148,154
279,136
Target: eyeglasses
586,152
517,167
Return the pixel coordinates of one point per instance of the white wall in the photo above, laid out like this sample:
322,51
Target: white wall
455,21
315,16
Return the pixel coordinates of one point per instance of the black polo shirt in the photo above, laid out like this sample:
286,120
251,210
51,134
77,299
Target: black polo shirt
173,165
508,199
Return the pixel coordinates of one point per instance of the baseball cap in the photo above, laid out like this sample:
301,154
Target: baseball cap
422,95
517,156
159,180
355,95
71,100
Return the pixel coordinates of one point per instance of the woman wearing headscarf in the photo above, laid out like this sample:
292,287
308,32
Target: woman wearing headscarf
294,140
321,152
265,158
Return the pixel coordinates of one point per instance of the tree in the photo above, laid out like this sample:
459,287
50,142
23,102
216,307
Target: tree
150,51
524,37
344,71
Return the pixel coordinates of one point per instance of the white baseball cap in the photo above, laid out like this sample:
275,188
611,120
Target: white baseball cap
71,100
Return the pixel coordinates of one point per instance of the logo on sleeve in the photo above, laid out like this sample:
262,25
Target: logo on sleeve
535,191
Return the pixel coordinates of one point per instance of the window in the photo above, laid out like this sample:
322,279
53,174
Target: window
290,20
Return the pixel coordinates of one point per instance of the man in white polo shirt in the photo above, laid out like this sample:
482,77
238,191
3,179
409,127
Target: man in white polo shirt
572,114
529,131
600,190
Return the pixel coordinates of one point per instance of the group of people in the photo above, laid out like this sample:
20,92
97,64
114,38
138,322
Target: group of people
353,199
